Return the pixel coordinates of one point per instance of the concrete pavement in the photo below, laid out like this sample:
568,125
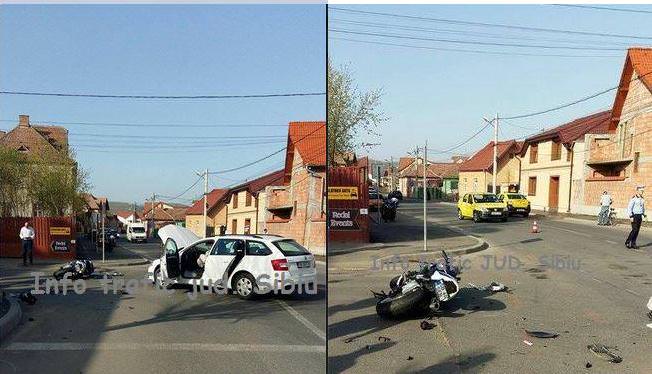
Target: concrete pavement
153,331
574,279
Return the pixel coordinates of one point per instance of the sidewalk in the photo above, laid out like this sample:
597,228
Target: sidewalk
403,238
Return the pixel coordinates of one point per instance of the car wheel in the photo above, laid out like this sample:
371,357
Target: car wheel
476,216
244,286
459,215
158,282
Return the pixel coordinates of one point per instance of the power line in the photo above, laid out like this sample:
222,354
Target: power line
175,125
562,106
472,51
495,25
265,157
250,96
456,41
448,150
385,26
613,9
177,137
187,189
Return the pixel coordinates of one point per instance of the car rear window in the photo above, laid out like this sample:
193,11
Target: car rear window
138,229
290,248
516,196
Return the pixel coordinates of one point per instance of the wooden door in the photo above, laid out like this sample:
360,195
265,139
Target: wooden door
553,194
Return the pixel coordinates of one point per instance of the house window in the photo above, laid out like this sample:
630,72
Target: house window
532,186
636,156
247,226
235,200
234,226
534,153
555,154
247,198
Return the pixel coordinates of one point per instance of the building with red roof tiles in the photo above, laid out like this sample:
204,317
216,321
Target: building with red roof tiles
551,161
296,207
215,213
476,173
246,201
28,138
440,176
620,161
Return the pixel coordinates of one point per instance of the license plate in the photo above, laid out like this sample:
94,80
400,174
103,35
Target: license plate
496,213
304,264
520,210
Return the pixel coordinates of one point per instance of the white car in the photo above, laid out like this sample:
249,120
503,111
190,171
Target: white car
246,264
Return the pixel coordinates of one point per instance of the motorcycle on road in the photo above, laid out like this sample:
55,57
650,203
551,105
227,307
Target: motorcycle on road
420,291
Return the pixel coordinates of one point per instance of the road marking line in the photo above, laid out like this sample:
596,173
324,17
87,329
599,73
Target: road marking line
302,319
575,232
612,242
632,292
214,347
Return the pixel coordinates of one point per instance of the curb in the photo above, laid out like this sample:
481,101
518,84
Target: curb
344,251
10,320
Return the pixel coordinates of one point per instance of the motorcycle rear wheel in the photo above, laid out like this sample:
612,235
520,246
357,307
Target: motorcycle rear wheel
402,304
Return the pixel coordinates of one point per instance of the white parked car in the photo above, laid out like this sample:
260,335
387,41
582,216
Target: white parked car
245,264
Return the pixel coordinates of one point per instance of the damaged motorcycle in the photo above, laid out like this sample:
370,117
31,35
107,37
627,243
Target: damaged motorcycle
78,269
419,291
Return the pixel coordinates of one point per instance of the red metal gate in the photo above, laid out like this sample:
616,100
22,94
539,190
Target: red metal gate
55,237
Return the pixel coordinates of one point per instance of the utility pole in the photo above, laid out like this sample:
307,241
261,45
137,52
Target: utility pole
391,165
151,212
103,235
205,200
494,123
425,194
495,170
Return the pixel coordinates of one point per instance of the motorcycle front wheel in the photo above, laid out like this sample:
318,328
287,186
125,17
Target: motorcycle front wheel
402,304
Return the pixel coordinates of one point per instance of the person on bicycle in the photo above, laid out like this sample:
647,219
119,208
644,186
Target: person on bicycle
605,208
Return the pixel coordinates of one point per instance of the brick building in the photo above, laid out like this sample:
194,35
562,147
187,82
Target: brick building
439,175
296,208
551,162
621,160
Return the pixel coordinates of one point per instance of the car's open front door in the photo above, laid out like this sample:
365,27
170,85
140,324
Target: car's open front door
171,259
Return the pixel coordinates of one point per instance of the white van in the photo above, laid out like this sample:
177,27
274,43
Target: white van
136,232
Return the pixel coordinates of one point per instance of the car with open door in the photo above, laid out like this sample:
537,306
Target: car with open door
245,264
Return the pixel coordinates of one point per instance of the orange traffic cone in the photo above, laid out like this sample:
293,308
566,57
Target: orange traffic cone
535,227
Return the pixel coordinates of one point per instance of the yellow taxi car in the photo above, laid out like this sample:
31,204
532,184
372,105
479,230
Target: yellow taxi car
516,203
481,206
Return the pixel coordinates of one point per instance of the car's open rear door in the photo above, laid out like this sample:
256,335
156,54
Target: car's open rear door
171,259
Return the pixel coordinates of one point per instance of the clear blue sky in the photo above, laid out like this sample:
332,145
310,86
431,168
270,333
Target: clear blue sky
164,50
442,96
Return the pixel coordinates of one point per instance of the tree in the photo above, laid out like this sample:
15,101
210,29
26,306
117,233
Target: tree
351,113
12,181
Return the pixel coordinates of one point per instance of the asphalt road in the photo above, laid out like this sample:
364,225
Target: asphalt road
150,331
574,279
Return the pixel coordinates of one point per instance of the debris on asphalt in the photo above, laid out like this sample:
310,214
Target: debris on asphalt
493,287
410,358
116,274
384,339
27,298
425,325
528,342
542,334
605,352
30,319
588,365
349,340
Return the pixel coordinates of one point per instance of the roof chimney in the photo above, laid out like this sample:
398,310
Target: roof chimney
23,120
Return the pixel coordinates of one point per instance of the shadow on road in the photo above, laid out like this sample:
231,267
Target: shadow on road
337,364
455,364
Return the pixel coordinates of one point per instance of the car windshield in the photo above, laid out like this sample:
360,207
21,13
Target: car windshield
138,229
485,198
290,248
515,196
